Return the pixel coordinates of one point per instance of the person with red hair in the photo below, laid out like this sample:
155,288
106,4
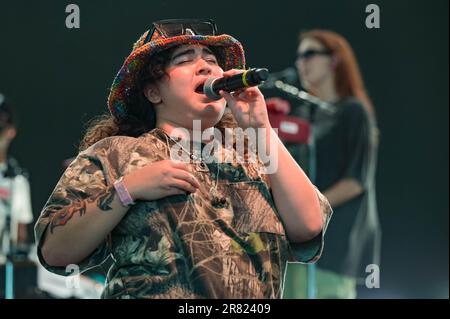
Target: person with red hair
346,150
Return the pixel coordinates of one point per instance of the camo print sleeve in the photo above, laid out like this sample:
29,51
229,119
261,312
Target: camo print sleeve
310,251
83,181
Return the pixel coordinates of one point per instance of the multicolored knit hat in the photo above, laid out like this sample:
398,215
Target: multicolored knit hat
124,84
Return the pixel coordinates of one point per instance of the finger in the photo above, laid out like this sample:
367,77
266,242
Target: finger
181,184
235,94
232,72
249,93
244,95
180,165
176,191
228,97
231,101
188,177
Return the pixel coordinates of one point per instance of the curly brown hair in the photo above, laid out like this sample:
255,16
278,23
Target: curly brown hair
141,115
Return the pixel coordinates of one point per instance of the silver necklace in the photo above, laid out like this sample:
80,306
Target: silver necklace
216,200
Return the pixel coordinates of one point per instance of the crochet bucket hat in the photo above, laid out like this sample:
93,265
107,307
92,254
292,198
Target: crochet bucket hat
163,35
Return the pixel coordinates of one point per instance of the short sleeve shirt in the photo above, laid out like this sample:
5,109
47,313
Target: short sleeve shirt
185,246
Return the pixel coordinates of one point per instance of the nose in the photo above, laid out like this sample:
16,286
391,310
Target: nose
203,68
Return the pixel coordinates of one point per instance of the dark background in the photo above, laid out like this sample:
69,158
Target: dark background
59,78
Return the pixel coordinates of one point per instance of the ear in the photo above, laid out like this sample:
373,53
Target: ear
152,94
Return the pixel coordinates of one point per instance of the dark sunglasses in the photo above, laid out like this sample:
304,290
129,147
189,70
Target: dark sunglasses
310,53
175,27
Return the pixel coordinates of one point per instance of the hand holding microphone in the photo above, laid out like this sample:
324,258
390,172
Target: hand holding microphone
248,78
248,106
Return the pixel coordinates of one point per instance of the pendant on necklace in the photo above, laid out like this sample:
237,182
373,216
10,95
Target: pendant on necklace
217,200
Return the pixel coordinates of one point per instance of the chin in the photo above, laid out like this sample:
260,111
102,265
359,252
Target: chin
210,115
212,109
306,84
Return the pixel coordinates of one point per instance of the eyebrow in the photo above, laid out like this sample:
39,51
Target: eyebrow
190,52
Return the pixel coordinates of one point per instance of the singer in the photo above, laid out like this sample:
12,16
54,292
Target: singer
346,155
176,229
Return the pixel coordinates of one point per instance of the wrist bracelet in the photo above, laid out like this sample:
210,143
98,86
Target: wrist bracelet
124,196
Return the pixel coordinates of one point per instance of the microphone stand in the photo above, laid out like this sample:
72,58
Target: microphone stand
313,103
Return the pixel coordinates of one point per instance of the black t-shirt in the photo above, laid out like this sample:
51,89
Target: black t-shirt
342,148
346,147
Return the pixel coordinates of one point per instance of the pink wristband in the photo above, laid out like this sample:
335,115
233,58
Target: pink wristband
122,192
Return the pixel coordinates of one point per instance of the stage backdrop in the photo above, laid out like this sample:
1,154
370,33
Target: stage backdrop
59,78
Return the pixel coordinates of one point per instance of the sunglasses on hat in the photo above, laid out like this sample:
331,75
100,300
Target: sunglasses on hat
176,27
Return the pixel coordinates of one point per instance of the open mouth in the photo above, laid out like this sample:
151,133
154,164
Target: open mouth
199,88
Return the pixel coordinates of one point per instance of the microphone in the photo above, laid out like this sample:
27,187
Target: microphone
288,75
251,77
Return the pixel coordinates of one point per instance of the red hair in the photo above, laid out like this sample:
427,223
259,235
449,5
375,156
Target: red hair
348,80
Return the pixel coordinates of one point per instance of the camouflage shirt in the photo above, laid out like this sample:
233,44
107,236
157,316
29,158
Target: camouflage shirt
183,246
